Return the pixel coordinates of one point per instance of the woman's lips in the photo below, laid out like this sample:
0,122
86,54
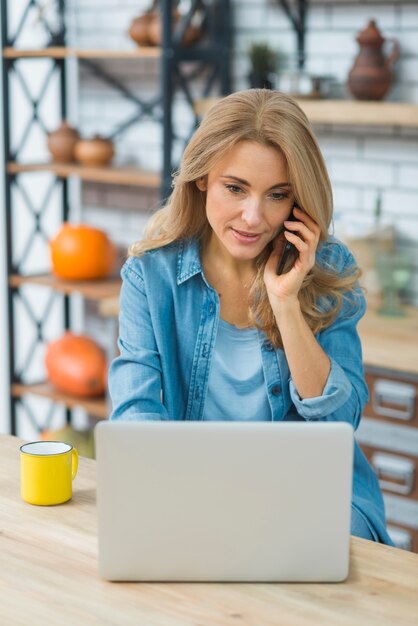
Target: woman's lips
244,237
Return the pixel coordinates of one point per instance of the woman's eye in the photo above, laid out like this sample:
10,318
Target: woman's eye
277,195
233,188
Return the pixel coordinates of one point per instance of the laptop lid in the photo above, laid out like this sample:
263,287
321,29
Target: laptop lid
224,501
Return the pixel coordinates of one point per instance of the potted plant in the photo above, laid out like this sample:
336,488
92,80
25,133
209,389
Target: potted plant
264,60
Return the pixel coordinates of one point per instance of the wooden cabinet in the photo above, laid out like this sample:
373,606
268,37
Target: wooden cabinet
388,435
397,472
393,398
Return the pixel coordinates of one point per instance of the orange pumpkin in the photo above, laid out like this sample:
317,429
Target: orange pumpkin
76,365
81,252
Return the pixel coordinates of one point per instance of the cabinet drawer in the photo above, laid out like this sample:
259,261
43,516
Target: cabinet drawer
397,473
392,399
403,537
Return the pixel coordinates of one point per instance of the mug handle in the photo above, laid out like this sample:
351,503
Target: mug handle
74,463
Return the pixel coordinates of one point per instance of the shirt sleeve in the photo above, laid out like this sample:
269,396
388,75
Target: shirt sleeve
135,375
345,393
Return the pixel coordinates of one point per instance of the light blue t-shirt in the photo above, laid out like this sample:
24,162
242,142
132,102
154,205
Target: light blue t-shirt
236,386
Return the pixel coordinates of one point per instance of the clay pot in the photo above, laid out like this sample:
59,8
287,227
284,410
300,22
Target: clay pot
61,143
95,152
155,28
146,30
138,30
372,73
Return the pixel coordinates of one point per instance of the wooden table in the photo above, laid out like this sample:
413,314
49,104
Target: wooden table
48,575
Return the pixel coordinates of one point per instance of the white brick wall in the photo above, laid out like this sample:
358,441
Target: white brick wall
360,161
408,177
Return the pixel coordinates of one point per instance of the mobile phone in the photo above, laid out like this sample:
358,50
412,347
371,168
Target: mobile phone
288,246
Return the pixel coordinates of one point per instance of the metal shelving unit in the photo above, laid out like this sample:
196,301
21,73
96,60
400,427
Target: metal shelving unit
179,67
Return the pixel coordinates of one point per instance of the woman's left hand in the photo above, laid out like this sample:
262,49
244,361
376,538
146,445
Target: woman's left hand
304,235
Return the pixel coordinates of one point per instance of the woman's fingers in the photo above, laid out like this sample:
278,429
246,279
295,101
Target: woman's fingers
306,227
306,258
304,234
299,228
297,241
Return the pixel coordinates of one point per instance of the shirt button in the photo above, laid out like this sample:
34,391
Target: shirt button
211,307
268,345
276,390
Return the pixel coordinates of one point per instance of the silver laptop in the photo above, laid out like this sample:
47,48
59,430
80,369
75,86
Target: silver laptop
224,501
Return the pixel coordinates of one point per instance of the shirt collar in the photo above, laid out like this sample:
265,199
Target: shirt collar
188,260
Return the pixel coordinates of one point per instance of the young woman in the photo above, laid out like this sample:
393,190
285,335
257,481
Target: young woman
209,330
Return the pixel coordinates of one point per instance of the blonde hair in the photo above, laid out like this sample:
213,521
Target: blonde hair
272,119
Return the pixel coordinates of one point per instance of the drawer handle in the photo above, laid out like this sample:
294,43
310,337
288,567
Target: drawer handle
394,473
396,394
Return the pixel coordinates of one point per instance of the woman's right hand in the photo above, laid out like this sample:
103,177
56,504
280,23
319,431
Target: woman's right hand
304,234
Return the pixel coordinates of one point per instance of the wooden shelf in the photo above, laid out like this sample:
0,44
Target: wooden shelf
359,113
111,175
90,289
347,112
64,53
109,307
95,406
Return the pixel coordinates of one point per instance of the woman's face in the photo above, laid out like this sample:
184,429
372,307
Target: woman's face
248,197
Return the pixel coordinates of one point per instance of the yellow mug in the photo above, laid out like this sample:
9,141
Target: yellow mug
47,471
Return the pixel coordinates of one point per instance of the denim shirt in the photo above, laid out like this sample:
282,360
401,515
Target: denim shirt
168,322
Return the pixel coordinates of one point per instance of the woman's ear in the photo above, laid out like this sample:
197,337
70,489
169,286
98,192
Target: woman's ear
201,183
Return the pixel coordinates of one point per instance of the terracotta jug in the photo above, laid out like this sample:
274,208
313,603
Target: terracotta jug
138,30
95,152
372,73
61,143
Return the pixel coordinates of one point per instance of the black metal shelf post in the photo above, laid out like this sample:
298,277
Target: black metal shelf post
210,63
167,84
6,67
297,16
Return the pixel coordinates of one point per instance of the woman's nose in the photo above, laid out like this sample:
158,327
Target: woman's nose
252,212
